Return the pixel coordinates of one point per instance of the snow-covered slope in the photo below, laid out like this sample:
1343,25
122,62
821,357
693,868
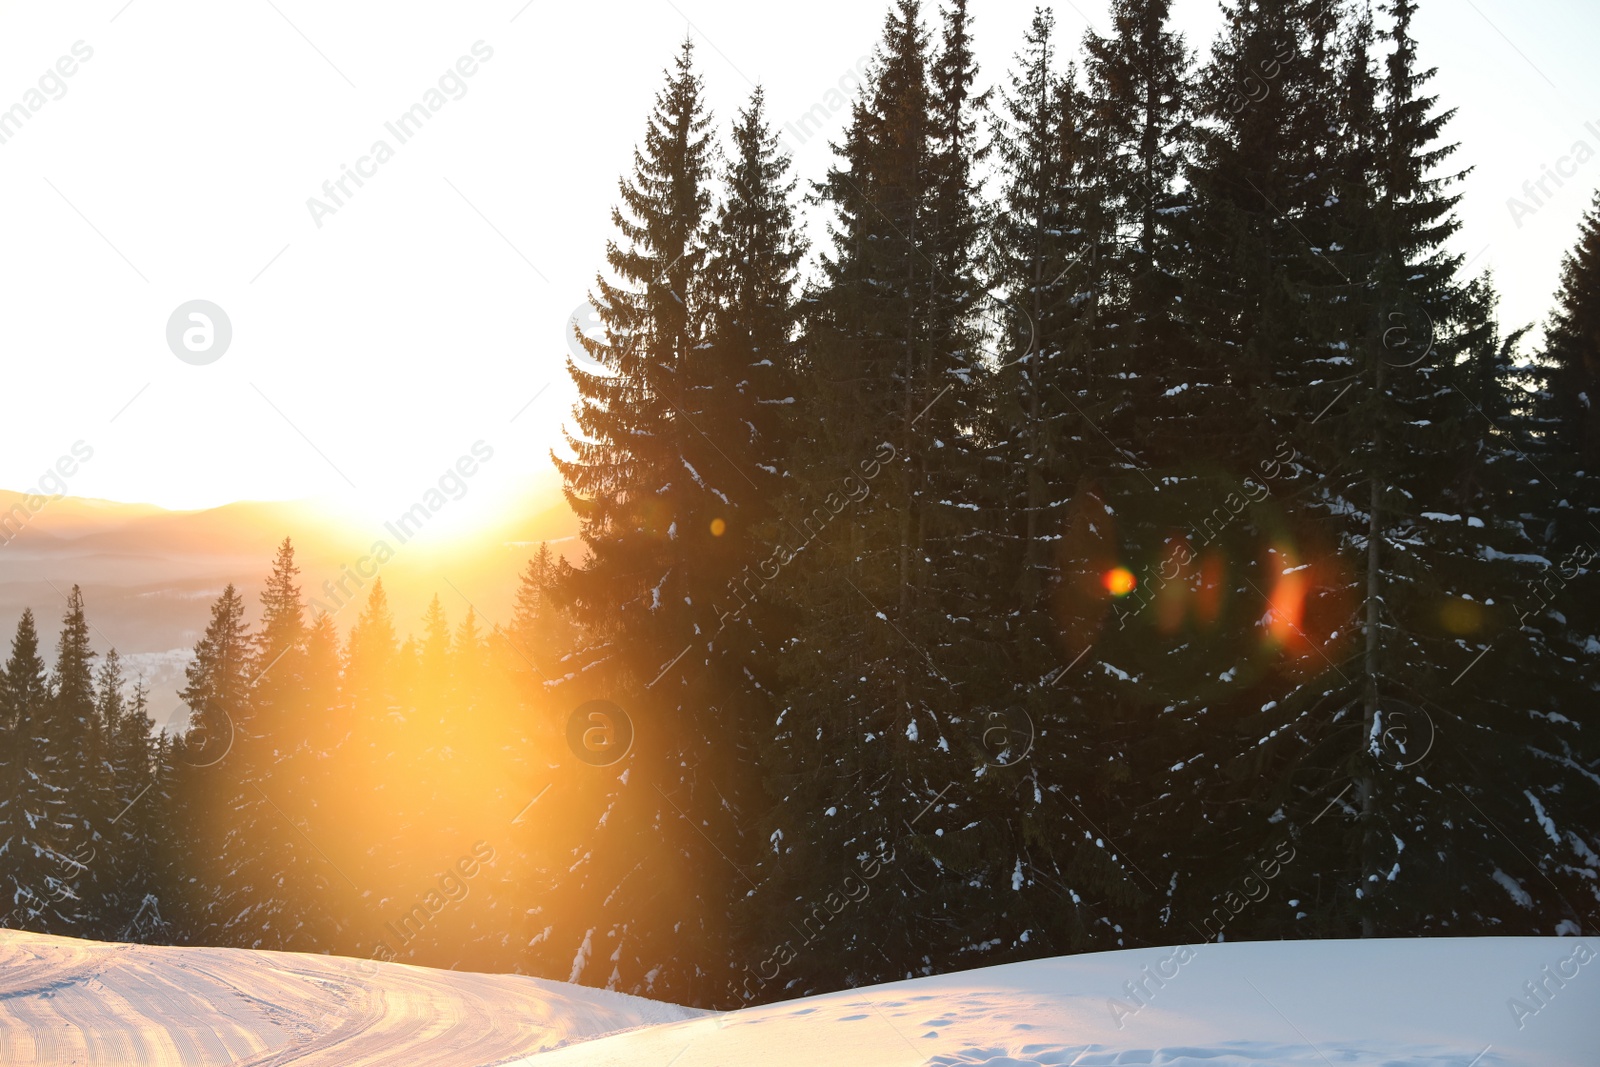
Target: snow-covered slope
1440,1003
64,1001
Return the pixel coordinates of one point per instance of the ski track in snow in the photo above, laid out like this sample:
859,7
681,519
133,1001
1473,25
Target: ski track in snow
65,1001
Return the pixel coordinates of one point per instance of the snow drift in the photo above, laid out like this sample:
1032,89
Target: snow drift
1480,1002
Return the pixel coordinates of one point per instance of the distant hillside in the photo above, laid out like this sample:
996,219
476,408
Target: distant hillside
149,574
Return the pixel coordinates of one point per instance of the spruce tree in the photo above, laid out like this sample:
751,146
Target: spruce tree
1139,126
846,705
747,386
40,861
75,730
647,498
469,665
223,900
123,759
1055,247
281,771
541,633
1572,346
137,850
1219,630
889,575
1041,235
371,655
435,650
375,753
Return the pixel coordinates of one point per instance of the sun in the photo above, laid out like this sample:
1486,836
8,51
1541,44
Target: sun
468,500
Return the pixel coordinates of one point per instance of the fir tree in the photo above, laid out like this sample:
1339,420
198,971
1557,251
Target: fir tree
39,862
1053,254
1572,347
541,631
135,880
377,751
886,563
222,903
371,656
76,731
647,500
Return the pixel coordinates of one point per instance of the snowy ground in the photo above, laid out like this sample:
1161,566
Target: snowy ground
64,1001
1439,1003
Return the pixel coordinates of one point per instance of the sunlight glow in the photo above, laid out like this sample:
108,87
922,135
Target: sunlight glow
1287,602
1119,581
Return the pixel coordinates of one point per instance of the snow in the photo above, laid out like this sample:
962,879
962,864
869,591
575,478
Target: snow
1442,1002
108,1005
1398,1003
1543,820
1516,557
1511,886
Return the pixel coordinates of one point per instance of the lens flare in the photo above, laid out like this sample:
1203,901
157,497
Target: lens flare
718,527
1208,601
1287,604
1119,581
1461,617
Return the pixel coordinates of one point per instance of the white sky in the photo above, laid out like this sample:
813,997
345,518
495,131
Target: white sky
426,313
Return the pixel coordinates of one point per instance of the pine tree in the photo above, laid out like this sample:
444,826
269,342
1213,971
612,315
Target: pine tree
122,769
1572,346
75,731
469,665
40,864
1042,260
371,657
134,878
647,500
1053,257
889,573
747,381
866,352
541,633
331,736
377,754
222,900
435,650
277,685
277,764
326,724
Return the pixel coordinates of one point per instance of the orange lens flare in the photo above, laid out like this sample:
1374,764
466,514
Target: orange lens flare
1119,581
718,527
1287,606
1208,600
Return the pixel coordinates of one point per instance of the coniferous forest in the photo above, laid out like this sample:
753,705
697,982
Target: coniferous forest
1132,525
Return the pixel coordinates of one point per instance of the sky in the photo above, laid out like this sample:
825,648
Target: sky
374,340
